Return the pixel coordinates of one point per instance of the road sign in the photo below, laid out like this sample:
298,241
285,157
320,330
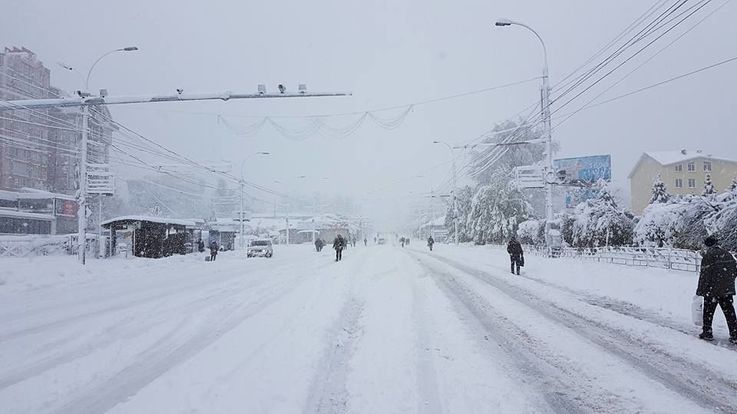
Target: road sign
584,170
529,176
87,212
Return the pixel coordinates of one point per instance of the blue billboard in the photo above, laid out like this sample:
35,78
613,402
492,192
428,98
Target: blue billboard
585,171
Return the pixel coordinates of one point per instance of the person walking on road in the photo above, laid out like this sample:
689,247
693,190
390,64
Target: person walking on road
213,250
319,244
339,244
365,242
716,285
430,242
516,255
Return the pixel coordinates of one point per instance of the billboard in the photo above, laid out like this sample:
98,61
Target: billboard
65,208
584,171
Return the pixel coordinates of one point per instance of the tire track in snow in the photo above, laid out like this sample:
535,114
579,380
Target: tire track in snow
544,371
131,327
175,349
122,303
427,382
619,306
688,379
328,393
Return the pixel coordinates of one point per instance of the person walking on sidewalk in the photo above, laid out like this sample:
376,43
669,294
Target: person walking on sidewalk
516,255
716,285
339,244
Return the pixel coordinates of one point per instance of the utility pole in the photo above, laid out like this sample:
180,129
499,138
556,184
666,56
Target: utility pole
453,191
241,218
82,209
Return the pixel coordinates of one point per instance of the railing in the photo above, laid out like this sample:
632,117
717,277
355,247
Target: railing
45,245
34,245
665,258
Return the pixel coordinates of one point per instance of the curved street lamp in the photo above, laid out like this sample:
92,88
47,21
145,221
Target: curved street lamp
89,73
546,123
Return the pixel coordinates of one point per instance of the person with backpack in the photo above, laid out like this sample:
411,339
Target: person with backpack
716,285
516,255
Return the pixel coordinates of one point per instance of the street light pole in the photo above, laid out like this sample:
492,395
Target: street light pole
82,203
548,135
453,192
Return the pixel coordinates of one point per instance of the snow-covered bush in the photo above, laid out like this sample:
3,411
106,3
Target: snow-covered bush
531,232
600,222
659,225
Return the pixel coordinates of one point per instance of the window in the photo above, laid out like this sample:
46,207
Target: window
707,166
692,166
679,183
691,183
679,167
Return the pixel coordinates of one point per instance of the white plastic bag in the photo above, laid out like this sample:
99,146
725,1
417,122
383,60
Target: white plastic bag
697,310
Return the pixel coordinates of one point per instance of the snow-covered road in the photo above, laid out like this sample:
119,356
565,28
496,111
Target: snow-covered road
387,330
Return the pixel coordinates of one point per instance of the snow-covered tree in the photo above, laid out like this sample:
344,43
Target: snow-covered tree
733,186
496,210
659,192
464,196
600,221
709,186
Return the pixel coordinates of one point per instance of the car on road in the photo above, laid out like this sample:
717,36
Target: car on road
260,248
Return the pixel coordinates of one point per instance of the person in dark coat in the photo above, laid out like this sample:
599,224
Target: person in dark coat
213,250
319,244
339,244
716,285
516,255
430,242
200,246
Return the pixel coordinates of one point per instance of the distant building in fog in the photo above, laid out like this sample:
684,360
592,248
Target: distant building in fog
39,148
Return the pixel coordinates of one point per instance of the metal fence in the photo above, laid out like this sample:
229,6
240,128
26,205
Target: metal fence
665,258
36,245
45,245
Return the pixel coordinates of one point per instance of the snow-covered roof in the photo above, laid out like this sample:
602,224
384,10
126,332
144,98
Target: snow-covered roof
27,194
674,157
152,219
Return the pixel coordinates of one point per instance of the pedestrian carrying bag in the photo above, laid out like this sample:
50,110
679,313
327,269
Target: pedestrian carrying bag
697,310
522,261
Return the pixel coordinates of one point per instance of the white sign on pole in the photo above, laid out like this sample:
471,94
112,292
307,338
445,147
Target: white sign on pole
529,176
87,212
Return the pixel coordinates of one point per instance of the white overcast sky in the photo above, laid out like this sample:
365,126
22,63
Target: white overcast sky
386,52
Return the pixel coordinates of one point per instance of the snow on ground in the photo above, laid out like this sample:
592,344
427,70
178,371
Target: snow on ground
387,330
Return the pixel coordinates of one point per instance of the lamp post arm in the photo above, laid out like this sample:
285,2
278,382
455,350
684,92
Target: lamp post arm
542,42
